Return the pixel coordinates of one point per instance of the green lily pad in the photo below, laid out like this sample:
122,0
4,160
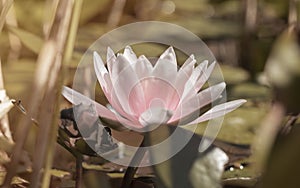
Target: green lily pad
251,90
231,74
59,173
240,125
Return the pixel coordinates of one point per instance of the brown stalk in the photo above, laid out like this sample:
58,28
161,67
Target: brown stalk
267,133
50,105
70,43
5,8
14,41
44,90
133,166
116,13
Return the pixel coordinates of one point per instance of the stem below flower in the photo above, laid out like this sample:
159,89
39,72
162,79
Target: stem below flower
79,170
133,166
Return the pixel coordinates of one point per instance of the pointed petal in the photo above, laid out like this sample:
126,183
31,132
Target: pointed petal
110,54
205,76
203,98
190,60
164,75
106,84
118,66
219,110
183,75
126,87
189,88
129,55
169,54
110,58
101,73
77,98
143,67
166,66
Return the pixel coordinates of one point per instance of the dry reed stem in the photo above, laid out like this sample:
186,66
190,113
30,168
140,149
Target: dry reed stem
14,41
50,106
66,59
6,6
116,13
266,135
48,66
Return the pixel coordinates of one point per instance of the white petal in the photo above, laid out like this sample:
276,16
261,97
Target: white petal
189,88
101,73
118,66
77,98
190,60
126,88
106,84
110,58
204,77
155,116
203,98
5,106
169,54
183,75
143,67
219,110
166,66
129,55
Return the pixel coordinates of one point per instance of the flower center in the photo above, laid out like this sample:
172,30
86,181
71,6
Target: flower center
156,93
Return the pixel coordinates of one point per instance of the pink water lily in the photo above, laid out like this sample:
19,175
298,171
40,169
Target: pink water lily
141,94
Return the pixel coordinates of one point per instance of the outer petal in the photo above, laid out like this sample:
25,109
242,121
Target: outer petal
219,110
110,59
189,88
105,83
190,60
203,98
101,73
76,98
126,87
184,74
204,77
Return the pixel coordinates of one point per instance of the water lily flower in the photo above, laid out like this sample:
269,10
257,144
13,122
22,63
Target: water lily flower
141,94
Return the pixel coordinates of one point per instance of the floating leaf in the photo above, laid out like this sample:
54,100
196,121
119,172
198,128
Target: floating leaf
232,75
95,167
59,173
251,90
96,179
31,41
